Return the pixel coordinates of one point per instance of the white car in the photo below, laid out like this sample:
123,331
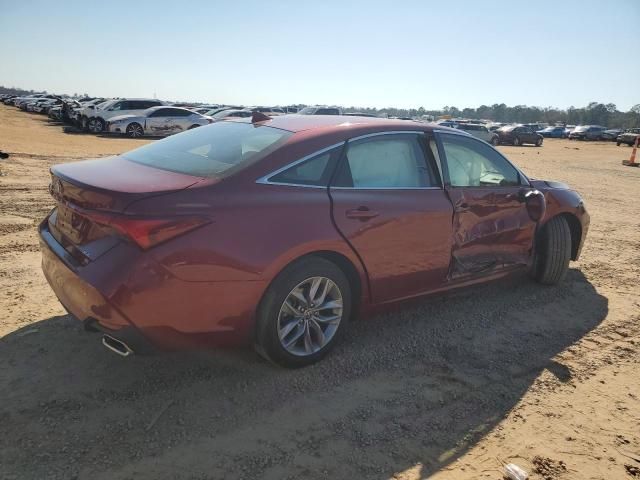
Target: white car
80,113
98,118
479,131
157,121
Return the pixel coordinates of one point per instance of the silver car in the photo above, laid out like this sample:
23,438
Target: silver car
157,121
479,131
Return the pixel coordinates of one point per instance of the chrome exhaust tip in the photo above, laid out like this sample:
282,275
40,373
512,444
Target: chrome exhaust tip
116,346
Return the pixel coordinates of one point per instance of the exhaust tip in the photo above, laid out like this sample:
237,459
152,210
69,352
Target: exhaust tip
116,346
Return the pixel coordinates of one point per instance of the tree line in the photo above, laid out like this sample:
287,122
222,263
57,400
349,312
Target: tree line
595,113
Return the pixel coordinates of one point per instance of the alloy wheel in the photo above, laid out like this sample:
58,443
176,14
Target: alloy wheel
309,316
135,131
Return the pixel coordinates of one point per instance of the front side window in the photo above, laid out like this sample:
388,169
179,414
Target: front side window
385,161
471,163
216,150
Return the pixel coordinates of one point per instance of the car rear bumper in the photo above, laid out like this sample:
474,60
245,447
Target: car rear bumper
127,295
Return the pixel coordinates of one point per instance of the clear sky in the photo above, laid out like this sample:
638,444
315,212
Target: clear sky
360,53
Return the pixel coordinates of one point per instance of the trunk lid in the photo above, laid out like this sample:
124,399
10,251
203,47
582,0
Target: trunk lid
88,192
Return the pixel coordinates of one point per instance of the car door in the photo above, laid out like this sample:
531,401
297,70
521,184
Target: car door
528,135
183,119
492,224
160,122
389,204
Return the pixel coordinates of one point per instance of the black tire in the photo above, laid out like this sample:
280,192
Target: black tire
135,130
539,142
553,253
495,141
617,144
96,125
267,342
517,142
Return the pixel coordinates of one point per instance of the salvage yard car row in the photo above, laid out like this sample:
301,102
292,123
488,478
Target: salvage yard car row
137,117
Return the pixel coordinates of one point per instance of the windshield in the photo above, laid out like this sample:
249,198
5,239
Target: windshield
211,150
581,129
307,111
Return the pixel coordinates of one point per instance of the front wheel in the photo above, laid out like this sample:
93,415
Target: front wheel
495,141
539,142
303,313
553,252
135,130
96,125
617,144
516,141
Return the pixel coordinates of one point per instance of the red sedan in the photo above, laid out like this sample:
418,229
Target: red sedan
275,232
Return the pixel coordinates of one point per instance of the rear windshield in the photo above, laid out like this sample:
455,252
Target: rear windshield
211,151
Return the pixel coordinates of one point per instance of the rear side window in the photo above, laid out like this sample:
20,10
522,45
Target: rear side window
216,150
315,171
385,161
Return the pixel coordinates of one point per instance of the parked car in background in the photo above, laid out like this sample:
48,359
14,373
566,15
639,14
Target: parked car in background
587,132
157,121
518,135
84,111
286,275
270,111
231,113
553,132
628,137
480,131
359,114
126,106
221,108
320,110
535,126
612,134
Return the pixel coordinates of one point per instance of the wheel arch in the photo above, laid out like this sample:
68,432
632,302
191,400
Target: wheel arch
357,279
575,227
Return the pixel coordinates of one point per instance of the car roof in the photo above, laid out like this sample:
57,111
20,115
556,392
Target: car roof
299,123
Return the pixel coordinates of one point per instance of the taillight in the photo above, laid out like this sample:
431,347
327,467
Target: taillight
144,231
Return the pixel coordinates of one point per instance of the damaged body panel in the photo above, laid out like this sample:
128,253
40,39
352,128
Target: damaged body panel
491,230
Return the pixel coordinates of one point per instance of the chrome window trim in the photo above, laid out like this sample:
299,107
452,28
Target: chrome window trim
265,180
389,132
385,188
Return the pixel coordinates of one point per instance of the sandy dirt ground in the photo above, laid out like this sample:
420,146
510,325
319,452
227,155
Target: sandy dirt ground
448,388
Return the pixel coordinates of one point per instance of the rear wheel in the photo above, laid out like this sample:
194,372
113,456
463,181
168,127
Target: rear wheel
303,313
539,142
135,130
617,144
516,141
553,252
495,141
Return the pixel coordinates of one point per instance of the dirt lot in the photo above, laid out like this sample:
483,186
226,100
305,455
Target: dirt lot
449,388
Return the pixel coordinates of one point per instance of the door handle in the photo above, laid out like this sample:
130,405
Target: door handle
361,213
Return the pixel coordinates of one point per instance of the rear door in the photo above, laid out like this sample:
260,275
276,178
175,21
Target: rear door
491,225
389,204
